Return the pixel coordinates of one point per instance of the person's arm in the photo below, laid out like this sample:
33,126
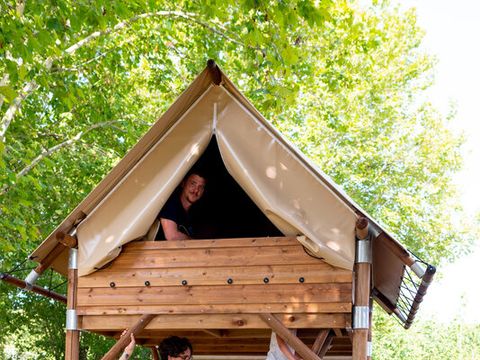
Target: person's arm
127,353
170,229
282,345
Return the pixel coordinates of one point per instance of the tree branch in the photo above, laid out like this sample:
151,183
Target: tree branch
31,86
123,24
47,152
3,82
14,107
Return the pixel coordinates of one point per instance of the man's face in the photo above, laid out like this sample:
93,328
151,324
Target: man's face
186,355
193,188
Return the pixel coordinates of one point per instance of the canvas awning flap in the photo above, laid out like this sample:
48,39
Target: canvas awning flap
196,89
128,211
286,191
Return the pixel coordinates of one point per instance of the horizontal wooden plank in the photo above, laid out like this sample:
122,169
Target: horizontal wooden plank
210,243
229,294
225,348
204,335
206,321
240,275
200,258
308,335
336,307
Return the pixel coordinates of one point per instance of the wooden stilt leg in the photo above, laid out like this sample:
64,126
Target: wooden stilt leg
280,329
369,347
72,341
362,291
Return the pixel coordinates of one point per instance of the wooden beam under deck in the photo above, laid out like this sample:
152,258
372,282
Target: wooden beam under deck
219,321
296,308
235,341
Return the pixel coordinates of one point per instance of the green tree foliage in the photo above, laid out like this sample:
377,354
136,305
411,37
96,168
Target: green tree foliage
427,339
81,81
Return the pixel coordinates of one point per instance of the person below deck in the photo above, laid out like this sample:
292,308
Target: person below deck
171,348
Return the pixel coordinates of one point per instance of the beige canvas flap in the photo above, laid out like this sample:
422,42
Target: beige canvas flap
287,192
131,207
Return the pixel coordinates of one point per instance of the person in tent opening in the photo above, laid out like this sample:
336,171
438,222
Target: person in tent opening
175,216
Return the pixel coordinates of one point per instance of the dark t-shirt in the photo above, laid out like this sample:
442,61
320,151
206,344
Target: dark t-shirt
173,210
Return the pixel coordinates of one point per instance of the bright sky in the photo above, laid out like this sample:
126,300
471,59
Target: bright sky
452,34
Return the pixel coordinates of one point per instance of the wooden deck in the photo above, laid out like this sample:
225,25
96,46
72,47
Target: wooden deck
213,290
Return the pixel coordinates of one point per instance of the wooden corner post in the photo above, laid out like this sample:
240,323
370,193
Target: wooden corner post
361,308
72,342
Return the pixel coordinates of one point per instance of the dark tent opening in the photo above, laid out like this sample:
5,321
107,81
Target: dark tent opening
226,211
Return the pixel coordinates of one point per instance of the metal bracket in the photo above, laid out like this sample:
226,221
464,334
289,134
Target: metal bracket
72,320
31,279
73,259
364,252
361,317
73,231
418,269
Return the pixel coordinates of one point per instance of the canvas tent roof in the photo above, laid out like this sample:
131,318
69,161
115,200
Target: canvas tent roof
291,191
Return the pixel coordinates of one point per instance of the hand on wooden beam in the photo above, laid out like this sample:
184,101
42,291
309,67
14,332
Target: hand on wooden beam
130,348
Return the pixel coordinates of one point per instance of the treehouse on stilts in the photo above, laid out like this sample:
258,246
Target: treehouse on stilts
283,247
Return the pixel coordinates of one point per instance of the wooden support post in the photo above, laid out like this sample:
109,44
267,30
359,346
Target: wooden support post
362,291
280,329
154,353
369,347
72,341
125,339
320,340
326,346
